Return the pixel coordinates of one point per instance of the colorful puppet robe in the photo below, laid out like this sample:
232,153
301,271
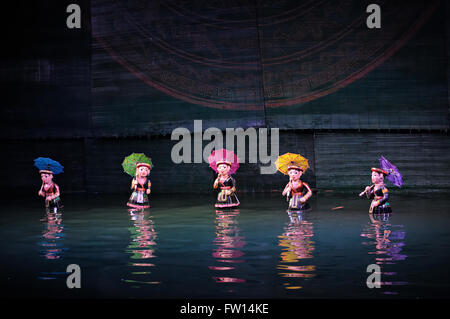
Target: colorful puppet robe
227,193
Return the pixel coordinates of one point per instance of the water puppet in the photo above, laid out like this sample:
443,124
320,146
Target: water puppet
378,191
296,191
225,163
49,189
139,166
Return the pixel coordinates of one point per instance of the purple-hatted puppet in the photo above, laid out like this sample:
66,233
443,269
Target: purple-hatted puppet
378,191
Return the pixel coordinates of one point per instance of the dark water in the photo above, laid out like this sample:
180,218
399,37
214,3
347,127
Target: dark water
183,248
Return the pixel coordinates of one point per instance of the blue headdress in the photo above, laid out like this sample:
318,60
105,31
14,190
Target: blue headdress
47,165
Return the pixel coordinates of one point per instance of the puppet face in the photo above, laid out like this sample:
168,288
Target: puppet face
143,171
377,178
294,174
223,169
46,178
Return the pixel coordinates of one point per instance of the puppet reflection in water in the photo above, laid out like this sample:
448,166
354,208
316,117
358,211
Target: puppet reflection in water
297,251
52,245
386,242
142,248
229,242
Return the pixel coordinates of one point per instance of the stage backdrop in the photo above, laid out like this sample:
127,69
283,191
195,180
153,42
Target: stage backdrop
290,64
45,76
138,68
342,94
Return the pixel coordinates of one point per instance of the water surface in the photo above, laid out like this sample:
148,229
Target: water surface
183,248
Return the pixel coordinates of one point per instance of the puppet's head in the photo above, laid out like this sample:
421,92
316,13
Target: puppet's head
142,169
294,172
46,176
223,167
378,175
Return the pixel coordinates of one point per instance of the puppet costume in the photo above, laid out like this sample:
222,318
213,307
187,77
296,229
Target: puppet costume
139,198
227,193
139,166
378,192
52,195
224,163
381,195
49,189
297,192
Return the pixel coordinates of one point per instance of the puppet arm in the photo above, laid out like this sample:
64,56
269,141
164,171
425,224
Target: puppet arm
307,195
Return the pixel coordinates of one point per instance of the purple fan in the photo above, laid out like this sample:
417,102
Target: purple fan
394,175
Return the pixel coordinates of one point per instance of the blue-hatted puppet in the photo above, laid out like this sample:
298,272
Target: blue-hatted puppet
49,189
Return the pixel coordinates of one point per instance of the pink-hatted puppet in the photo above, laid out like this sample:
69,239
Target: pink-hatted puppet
49,189
296,191
138,165
378,192
224,163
